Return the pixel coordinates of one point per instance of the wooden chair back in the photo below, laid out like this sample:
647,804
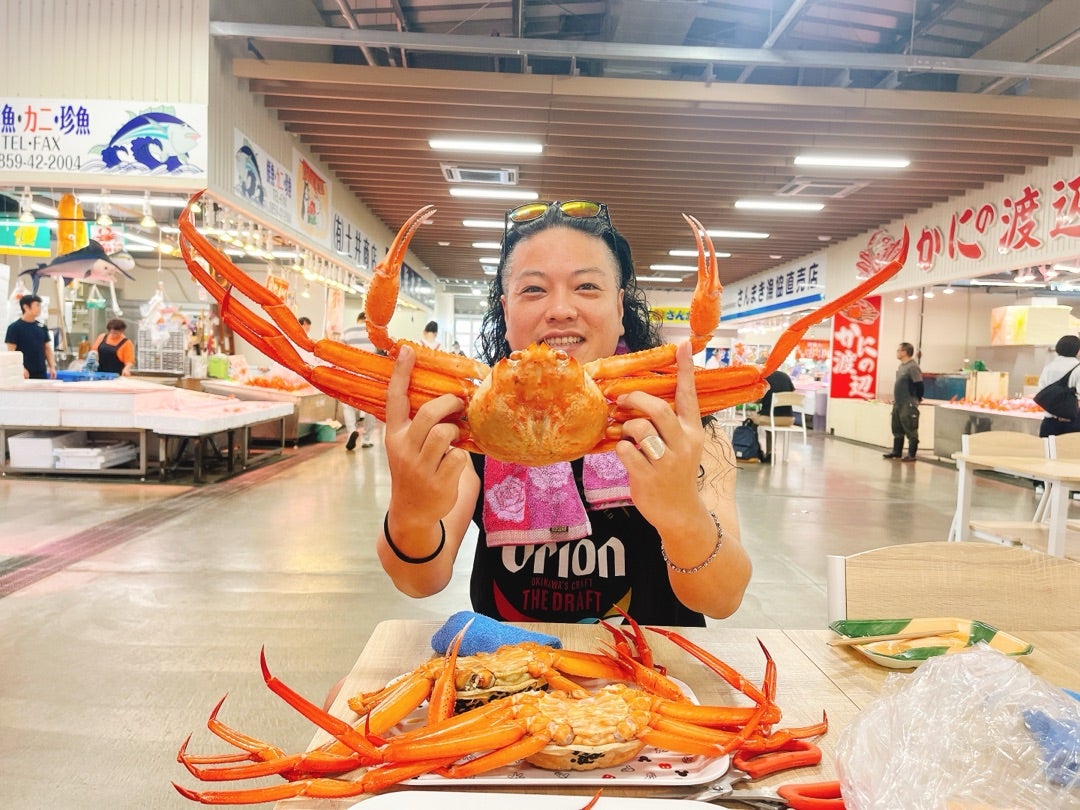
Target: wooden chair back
1065,446
1003,443
1011,588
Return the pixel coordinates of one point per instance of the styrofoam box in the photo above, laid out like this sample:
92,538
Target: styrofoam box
82,399
94,458
11,359
28,417
31,396
33,450
98,419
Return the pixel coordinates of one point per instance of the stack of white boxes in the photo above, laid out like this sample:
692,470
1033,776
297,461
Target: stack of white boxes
11,368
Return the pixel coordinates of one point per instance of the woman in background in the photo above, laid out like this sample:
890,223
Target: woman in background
116,354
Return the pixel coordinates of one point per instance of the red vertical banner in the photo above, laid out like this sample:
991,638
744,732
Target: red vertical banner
854,362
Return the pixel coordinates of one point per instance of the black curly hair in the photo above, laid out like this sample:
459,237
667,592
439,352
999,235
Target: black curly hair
640,329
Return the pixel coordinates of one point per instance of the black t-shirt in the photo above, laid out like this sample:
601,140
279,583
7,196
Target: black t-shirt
578,580
779,383
30,337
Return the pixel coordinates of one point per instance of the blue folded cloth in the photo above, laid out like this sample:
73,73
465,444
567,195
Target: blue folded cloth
484,634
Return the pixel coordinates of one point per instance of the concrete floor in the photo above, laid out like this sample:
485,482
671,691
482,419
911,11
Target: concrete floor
152,601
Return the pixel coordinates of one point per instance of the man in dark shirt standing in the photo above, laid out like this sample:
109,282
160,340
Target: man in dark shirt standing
31,338
907,394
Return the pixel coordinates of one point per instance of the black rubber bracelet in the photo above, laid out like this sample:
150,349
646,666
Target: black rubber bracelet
405,558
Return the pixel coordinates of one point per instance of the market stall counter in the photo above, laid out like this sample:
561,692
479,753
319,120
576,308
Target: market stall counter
952,420
310,406
105,427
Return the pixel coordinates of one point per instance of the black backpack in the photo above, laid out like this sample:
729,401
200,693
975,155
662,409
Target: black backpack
745,441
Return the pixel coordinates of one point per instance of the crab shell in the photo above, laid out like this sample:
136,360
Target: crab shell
595,732
538,399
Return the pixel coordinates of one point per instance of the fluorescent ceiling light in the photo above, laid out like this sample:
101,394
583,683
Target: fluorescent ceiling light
494,147
692,253
133,199
674,268
778,205
841,161
490,270
41,208
975,282
899,299
661,279
484,223
489,260
1067,268
140,240
722,234
492,193
487,245
948,291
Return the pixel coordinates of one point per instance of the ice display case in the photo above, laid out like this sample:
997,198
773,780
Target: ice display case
310,406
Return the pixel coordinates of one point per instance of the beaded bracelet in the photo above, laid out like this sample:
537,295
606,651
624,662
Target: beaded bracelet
405,557
706,561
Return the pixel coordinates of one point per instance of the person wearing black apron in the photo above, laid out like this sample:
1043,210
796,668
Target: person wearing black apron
116,354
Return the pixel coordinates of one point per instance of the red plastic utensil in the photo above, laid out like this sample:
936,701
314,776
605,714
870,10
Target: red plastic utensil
812,796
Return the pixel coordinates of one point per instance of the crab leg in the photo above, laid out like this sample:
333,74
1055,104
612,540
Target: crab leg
382,295
374,780
794,333
705,305
722,669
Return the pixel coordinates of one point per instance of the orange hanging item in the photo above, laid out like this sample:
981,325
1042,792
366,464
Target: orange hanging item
72,232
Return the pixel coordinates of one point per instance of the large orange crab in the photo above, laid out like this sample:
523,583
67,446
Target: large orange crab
559,730
538,406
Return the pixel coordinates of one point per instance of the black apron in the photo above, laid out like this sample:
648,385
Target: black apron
108,357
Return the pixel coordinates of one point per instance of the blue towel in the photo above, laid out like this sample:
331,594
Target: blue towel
484,635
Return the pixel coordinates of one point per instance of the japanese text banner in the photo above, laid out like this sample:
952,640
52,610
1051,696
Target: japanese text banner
856,330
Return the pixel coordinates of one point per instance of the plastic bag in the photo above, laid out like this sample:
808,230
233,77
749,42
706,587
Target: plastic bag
975,729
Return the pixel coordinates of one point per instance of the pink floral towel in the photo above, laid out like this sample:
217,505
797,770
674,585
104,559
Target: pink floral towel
532,505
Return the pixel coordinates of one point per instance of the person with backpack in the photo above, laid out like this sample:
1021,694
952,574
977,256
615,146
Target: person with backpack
1064,363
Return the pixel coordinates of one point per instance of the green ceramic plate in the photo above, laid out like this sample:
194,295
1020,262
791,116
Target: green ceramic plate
907,653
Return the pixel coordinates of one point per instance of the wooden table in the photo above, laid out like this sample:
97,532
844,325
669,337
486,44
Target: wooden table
1060,477
813,677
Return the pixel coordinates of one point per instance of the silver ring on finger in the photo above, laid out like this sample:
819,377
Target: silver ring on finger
653,447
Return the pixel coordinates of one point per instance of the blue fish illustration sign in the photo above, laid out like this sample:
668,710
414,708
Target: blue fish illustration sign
96,136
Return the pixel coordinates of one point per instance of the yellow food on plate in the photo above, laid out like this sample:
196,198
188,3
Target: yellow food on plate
954,641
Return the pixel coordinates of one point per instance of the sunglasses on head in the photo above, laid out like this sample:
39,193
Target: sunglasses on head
575,209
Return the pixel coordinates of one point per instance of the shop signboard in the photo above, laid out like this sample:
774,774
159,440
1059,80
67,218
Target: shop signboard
262,182
312,201
675,315
784,288
416,286
1025,222
349,241
103,137
25,239
855,345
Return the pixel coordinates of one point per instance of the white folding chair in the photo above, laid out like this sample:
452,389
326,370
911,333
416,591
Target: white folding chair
781,434
731,418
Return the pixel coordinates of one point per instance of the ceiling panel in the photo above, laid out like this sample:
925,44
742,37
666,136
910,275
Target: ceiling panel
688,128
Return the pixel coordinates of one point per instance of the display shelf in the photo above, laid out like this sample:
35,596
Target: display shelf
7,432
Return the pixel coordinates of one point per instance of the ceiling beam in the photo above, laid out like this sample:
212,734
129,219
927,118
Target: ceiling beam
639,52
